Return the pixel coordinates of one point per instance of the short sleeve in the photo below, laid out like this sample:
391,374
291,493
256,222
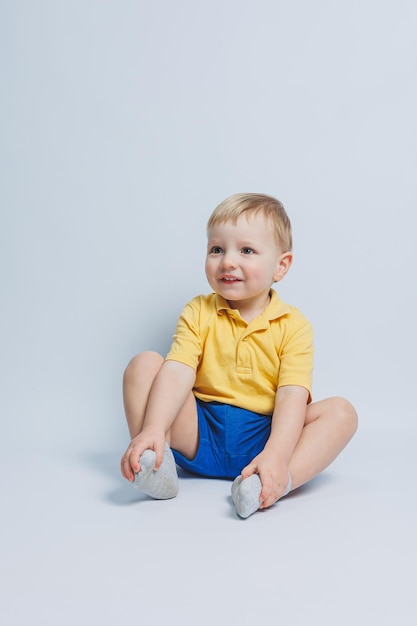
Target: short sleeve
186,346
296,352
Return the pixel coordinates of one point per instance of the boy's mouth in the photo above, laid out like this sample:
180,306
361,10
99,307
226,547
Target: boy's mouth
229,279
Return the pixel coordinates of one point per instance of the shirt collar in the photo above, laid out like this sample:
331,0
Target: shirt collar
275,309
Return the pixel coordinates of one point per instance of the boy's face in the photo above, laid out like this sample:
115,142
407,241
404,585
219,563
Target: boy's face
243,260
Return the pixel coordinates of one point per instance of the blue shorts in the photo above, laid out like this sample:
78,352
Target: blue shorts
229,439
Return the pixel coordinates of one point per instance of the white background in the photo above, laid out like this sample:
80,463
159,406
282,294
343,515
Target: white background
123,125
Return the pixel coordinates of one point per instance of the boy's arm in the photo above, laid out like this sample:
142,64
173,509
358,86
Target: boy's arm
287,424
169,391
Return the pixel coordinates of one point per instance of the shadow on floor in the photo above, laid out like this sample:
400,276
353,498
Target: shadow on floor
108,464
123,494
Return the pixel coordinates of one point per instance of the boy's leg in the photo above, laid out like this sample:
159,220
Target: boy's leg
137,383
330,425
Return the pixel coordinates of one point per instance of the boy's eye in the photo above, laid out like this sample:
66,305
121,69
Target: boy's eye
216,250
247,250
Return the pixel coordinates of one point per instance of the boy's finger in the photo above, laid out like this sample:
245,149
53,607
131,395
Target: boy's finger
126,468
267,499
264,497
249,470
134,461
159,451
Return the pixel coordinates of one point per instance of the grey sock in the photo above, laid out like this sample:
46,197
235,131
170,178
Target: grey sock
162,484
245,494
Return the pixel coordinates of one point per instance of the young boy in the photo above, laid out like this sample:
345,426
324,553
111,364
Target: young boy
232,399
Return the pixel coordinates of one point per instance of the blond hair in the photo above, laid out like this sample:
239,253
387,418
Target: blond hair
271,208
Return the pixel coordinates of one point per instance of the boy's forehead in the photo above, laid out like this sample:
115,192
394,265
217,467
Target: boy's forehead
249,218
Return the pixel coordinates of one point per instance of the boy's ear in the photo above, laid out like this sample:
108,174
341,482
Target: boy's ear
284,264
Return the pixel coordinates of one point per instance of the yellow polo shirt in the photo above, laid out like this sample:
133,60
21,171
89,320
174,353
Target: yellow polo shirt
239,363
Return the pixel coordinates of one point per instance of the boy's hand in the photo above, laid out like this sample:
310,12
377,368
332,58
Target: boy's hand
273,475
149,439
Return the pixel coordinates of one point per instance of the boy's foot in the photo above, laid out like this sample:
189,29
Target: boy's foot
246,493
162,484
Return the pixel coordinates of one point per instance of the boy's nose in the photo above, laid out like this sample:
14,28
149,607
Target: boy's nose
229,261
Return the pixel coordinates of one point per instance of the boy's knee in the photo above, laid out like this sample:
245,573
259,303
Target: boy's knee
147,360
346,414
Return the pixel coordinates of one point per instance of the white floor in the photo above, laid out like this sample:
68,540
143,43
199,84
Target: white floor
81,546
